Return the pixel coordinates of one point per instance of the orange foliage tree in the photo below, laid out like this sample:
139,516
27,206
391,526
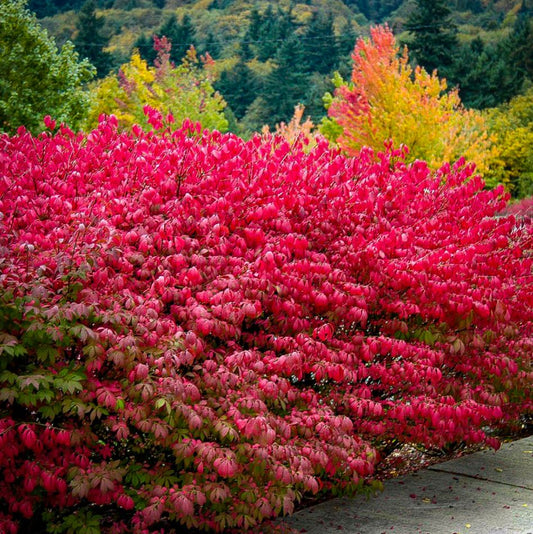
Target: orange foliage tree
388,100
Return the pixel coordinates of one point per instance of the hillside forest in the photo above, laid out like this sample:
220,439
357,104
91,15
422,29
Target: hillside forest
247,65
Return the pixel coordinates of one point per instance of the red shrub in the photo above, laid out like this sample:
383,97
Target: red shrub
200,329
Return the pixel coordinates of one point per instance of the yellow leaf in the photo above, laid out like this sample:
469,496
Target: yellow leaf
387,100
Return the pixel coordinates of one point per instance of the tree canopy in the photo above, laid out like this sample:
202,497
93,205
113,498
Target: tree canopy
184,91
37,79
389,101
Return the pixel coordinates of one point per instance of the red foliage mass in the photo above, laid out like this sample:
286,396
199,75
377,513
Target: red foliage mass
201,329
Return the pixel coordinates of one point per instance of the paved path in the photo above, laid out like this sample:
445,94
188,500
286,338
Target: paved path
483,493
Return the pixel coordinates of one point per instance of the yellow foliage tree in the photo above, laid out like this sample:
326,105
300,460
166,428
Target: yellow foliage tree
512,124
387,100
184,91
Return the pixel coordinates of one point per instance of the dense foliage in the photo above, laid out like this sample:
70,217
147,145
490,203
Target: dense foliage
35,77
184,90
389,101
326,30
512,126
199,330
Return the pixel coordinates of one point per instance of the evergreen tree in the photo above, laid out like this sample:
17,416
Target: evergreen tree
145,46
268,35
90,42
254,29
489,75
485,76
347,39
172,31
319,85
364,7
286,84
320,44
248,44
475,6
434,35
211,46
519,45
256,117
48,8
245,50
239,88
43,8
386,7
181,35
184,40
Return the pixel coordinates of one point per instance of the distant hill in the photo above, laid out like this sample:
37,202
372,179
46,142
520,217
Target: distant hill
126,19
253,42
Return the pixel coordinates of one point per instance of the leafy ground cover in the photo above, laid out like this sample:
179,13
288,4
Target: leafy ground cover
198,330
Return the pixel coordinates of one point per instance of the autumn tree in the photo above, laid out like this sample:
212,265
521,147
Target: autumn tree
512,124
388,100
185,91
36,78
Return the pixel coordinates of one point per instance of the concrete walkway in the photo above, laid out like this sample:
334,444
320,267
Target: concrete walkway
483,493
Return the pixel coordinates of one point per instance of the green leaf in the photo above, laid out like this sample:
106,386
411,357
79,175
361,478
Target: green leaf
46,353
50,410
428,337
8,377
46,395
14,350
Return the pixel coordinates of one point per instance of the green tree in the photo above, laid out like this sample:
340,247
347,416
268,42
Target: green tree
347,39
181,35
211,46
48,8
283,86
434,35
37,79
485,74
239,88
145,46
475,6
519,44
90,41
276,27
320,44
249,41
